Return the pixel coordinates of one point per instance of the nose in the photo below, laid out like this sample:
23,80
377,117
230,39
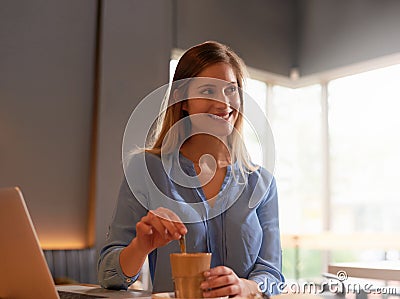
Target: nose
222,102
226,101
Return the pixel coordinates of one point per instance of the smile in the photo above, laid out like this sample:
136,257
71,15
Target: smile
222,116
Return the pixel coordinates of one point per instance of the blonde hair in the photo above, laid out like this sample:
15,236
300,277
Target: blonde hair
194,61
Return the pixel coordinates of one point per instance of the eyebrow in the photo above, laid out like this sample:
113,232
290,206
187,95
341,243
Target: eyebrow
206,85
213,85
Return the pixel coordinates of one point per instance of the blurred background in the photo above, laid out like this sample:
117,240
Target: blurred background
325,73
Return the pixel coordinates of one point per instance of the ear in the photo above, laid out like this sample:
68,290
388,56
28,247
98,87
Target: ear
175,95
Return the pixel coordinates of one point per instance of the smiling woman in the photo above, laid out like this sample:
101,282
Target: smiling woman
197,180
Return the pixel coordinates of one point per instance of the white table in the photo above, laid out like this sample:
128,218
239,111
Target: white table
384,270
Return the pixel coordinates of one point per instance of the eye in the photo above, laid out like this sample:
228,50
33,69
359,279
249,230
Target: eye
207,91
230,90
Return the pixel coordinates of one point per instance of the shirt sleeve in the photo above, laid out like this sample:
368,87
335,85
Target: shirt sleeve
267,270
122,230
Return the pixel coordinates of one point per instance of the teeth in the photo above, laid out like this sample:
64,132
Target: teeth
225,117
215,116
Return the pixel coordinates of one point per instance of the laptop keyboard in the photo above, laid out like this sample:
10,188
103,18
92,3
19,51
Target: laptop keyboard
70,295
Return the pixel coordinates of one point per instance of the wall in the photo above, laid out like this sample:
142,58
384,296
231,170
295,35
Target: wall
338,33
262,32
136,49
46,99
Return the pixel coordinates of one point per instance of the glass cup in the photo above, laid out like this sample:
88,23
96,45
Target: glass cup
187,273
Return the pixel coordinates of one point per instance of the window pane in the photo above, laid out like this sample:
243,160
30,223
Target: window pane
296,124
256,91
365,145
302,263
172,67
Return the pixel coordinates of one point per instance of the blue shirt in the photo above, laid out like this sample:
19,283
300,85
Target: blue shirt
241,233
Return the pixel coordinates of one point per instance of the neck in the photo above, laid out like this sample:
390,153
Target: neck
199,145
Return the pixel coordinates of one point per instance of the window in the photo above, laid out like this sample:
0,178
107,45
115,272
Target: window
257,91
296,123
364,152
365,145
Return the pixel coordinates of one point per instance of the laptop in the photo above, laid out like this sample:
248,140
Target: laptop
23,269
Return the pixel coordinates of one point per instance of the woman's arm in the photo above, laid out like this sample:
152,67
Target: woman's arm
121,232
133,234
267,270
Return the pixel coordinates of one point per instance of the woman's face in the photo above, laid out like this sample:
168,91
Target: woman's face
213,100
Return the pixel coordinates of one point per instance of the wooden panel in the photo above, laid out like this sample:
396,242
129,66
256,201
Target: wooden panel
72,265
60,264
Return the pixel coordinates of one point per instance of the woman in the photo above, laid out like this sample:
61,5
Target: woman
206,186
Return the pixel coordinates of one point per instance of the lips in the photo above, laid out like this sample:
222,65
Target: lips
224,116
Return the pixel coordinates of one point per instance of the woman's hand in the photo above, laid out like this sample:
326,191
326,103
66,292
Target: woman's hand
158,228
222,281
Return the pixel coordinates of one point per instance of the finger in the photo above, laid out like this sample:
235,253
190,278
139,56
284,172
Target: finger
143,228
170,226
155,222
215,282
217,271
171,216
161,220
231,290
